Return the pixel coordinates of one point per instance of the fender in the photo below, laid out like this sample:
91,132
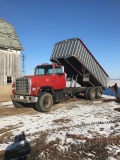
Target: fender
46,89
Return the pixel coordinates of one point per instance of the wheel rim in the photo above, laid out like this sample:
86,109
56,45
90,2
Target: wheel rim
46,102
99,94
93,94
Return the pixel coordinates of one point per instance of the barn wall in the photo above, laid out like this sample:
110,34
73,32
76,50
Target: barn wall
5,93
9,66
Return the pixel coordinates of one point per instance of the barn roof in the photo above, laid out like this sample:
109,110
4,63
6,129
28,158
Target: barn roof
8,36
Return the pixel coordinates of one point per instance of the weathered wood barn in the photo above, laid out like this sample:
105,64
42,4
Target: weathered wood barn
10,49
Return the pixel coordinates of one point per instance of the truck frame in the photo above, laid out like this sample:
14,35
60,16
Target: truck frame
71,59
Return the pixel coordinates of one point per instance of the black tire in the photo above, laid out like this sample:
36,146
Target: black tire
98,92
86,93
18,104
44,103
91,93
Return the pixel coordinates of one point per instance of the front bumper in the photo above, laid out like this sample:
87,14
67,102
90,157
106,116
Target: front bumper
25,99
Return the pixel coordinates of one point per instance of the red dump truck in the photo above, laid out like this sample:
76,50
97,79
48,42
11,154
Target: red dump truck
70,59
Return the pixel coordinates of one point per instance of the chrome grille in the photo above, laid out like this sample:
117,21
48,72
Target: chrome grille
23,86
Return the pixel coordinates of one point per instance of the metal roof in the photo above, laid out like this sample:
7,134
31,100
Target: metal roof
8,36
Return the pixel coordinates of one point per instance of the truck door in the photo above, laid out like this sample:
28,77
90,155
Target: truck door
59,78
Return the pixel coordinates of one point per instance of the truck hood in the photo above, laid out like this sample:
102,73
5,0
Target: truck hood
40,80
55,81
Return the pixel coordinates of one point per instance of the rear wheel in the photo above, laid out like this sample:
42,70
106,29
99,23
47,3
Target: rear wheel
86,93
98,92
91,93
18,104
44,103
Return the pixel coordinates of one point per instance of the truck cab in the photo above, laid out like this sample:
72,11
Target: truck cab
48,81
51,75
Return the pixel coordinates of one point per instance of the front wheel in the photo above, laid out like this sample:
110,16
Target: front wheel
44,103
18,104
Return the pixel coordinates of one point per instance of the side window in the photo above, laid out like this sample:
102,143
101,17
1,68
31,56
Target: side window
58,70
9,79
40,71
49,71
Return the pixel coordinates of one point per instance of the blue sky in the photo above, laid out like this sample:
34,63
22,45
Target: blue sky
41,23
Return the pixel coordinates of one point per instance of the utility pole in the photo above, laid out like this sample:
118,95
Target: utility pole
23,64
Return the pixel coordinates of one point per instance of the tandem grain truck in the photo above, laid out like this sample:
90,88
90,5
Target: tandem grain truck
70,58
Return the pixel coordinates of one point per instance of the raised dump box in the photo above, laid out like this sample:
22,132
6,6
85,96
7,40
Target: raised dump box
79,63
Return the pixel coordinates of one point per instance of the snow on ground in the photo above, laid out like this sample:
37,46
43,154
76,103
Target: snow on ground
90,119
86,119
8,103
113,81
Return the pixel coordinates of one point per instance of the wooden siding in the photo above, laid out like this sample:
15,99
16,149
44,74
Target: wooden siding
9,65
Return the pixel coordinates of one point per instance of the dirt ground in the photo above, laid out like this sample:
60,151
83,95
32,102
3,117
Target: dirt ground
39,149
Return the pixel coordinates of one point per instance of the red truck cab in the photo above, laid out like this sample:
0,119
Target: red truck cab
51,76
48,79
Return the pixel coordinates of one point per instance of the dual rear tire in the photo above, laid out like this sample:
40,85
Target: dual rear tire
98,92
92,93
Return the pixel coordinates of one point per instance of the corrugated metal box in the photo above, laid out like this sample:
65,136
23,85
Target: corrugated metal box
79,61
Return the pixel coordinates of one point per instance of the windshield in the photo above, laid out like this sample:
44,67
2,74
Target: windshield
44,70
47,70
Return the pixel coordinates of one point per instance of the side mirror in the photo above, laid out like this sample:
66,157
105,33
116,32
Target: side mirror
60,71
62,68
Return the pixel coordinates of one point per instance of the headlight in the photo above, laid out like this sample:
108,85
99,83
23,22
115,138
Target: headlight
33,89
